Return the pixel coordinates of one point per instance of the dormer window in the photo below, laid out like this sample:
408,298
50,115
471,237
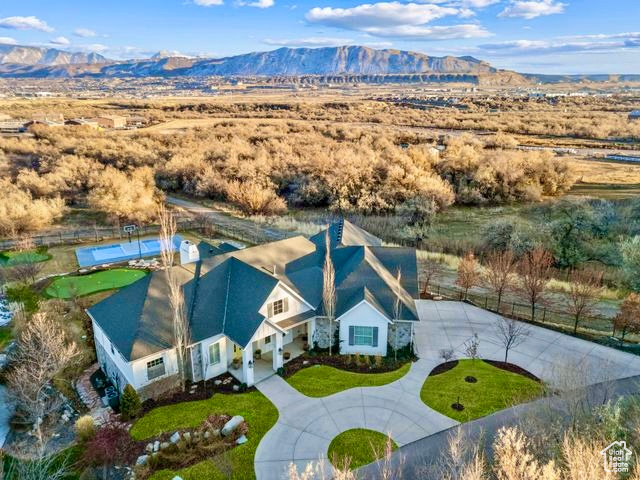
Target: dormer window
278,307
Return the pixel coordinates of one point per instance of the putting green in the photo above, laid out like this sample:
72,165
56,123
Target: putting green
79,285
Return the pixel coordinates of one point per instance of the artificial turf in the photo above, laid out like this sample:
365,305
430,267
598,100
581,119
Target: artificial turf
358,447
259,413
9,259
323,380
494,390
78,285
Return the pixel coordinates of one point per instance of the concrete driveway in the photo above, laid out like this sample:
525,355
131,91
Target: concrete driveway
306,426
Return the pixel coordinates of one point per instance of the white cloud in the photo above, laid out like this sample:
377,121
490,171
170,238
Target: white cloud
84,32
257,3
601,44
60,41
93,47
395,19
529,9
382,14
309,42
208,3
25,23
8,41
418,32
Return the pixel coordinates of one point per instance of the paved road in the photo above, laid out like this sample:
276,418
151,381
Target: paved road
306,426
228,225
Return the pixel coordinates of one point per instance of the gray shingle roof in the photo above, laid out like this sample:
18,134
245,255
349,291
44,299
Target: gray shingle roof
224,292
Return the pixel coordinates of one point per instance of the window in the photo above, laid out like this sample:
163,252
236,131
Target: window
214,353
278,307
363,336
267,340
155,368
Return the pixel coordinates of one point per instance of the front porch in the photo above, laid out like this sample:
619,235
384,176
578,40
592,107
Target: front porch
264,367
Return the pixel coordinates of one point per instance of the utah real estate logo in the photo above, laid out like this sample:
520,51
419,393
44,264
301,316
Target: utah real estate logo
617,457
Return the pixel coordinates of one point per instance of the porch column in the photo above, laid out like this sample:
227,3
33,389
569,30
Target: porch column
277,351
247,365
311,331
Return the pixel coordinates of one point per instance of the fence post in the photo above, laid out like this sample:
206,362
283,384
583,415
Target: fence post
438,290
486,299
544,314
513,308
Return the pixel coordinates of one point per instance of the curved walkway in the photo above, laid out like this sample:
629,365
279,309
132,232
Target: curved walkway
306,425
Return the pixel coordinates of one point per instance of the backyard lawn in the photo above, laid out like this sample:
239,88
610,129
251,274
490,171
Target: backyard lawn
27,256
358,447
257,411
495,389
79,285
322,380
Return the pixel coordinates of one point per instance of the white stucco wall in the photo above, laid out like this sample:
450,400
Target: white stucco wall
295,305
139,367
363,315
211,371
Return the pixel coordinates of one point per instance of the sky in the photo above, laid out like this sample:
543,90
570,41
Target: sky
540,36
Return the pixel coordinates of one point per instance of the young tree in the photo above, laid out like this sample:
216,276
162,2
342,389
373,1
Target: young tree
430,271
26,272
471,347
468,273
500,273
535,272
329,288
584,293
181,331
42,351
111,445
511,333
130,404
628,318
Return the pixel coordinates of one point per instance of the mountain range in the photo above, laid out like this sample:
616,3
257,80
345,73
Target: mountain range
21,61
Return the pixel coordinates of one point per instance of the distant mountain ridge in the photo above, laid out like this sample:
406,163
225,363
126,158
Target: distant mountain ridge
25,55
20,61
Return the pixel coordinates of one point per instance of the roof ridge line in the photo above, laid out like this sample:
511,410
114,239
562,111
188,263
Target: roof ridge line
226,299
144,300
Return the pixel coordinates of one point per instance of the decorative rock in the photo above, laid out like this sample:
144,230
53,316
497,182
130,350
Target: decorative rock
176,478
187,436
164,445
175,438
217,382
236,388
231,425
156,445
149,448
207,434
242,439
216,432
142,459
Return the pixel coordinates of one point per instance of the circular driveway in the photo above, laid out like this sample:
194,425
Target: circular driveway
306,426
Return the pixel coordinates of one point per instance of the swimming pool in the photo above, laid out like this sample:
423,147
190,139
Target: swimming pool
120,252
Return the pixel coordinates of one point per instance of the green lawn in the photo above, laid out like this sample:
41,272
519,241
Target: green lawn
79,285
358,447
27,256
258,412
495,390
322,380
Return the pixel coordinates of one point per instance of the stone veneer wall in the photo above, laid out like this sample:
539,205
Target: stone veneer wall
322,336
404,334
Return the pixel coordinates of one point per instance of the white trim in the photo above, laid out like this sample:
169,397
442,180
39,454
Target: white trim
372,306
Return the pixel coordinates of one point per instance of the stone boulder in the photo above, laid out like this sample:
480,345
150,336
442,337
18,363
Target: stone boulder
175,438
231,425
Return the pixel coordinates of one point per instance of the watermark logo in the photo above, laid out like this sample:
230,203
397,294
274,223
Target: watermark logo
617,457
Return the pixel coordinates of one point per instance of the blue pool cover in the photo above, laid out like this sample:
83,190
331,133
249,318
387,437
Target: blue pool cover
120,252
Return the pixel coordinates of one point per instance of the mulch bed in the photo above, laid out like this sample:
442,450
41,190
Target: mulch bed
203,391
510,367
342,362
444,367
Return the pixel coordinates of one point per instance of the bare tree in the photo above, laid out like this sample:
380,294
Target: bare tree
26,272
468,273
628,318
49,467
397,310
535,272
446,354
511,333
329,288
430,271
181,332
471,347
500,273
584,293
43,350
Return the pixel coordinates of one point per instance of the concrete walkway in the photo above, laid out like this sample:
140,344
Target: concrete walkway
306,425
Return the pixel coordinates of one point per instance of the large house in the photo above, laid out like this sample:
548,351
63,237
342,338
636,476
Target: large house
251,309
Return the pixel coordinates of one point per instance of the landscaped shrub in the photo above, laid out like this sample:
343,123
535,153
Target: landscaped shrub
24,294
130,404
85,428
